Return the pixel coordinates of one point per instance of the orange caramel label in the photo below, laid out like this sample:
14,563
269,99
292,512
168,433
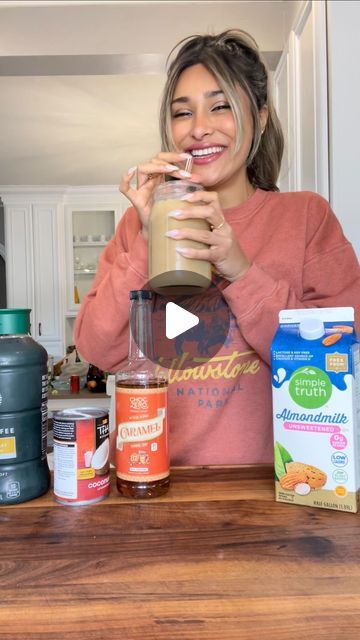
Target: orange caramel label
142,451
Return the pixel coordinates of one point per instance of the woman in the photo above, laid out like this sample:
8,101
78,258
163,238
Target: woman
271,251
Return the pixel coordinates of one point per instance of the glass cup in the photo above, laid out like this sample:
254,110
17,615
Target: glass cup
170,273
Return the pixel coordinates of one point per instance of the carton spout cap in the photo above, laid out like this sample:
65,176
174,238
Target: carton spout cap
311,328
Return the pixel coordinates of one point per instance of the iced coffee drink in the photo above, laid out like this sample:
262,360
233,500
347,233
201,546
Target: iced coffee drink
170,273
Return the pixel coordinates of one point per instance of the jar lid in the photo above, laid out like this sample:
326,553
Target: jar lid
14,321
175,189
311,328
142,294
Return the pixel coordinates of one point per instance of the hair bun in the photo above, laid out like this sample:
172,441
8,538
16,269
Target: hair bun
229,46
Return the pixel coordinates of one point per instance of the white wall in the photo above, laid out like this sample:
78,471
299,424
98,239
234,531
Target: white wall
126,27
291,11
343,19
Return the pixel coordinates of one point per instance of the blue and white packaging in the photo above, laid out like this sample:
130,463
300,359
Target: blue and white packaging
316,408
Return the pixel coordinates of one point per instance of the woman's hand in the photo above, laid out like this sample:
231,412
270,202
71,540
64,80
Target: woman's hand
148,176
224,251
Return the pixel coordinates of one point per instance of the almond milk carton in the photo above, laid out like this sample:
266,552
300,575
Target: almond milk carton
316,414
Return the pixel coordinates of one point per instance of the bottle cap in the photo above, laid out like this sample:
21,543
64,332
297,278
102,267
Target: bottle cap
14,321
141,295
311,328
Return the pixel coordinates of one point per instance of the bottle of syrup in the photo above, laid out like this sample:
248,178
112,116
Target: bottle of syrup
142,452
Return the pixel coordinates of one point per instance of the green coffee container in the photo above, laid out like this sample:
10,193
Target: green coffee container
24,471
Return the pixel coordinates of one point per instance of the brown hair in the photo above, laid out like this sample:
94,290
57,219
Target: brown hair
234,59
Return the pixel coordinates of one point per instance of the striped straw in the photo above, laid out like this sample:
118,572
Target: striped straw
188,164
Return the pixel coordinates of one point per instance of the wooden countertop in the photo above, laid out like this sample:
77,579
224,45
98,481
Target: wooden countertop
215,558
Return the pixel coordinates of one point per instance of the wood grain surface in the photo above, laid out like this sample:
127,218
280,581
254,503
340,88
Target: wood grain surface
216,558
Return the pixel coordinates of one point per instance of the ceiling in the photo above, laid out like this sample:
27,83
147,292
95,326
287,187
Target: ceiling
80,82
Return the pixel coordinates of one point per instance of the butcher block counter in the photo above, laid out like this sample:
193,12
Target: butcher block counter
215,558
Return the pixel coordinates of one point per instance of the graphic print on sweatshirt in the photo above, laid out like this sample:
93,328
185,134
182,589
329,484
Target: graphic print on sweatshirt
209,362
208,333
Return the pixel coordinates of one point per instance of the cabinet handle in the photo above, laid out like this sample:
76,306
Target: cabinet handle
39,328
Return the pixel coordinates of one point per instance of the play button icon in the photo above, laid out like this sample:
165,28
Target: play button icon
178,320
190,330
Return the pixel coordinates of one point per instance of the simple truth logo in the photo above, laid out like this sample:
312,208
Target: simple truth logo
310,387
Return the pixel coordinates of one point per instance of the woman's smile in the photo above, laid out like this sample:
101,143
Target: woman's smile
206,154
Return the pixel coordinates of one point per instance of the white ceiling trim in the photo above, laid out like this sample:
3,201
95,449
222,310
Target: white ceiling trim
82,65
95,65
82,3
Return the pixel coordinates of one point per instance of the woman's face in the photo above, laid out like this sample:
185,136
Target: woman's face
203,125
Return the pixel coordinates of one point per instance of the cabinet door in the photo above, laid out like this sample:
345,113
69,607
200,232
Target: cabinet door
32,270
88,231
19,268
282,99
47,304
301,101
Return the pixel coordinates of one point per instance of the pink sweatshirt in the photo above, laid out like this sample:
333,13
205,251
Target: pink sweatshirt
300,258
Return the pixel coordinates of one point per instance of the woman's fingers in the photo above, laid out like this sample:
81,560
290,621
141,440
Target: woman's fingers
206,237
212,215
178,165
207,197
152,171
222,251
184,163
125,181
208,208
195,254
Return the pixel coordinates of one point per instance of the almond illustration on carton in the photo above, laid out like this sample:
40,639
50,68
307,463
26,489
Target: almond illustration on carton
291,479
343,328
314,477
331,339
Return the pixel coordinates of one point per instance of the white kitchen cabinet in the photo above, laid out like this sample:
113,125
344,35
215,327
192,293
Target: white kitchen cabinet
32,267
19,253
46,229
47,316
282,98
88,229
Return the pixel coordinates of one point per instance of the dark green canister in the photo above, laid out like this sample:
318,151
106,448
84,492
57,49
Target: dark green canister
24,471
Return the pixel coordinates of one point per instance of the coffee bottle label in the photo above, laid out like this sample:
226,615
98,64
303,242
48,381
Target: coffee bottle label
142,453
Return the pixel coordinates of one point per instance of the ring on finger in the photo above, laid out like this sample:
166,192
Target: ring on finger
219,225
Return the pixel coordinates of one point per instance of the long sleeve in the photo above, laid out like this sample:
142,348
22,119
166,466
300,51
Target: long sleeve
101,327
329,276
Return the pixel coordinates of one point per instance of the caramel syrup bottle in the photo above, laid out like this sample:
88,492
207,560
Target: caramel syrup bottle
142,451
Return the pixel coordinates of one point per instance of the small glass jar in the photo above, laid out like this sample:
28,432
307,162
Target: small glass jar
170,273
